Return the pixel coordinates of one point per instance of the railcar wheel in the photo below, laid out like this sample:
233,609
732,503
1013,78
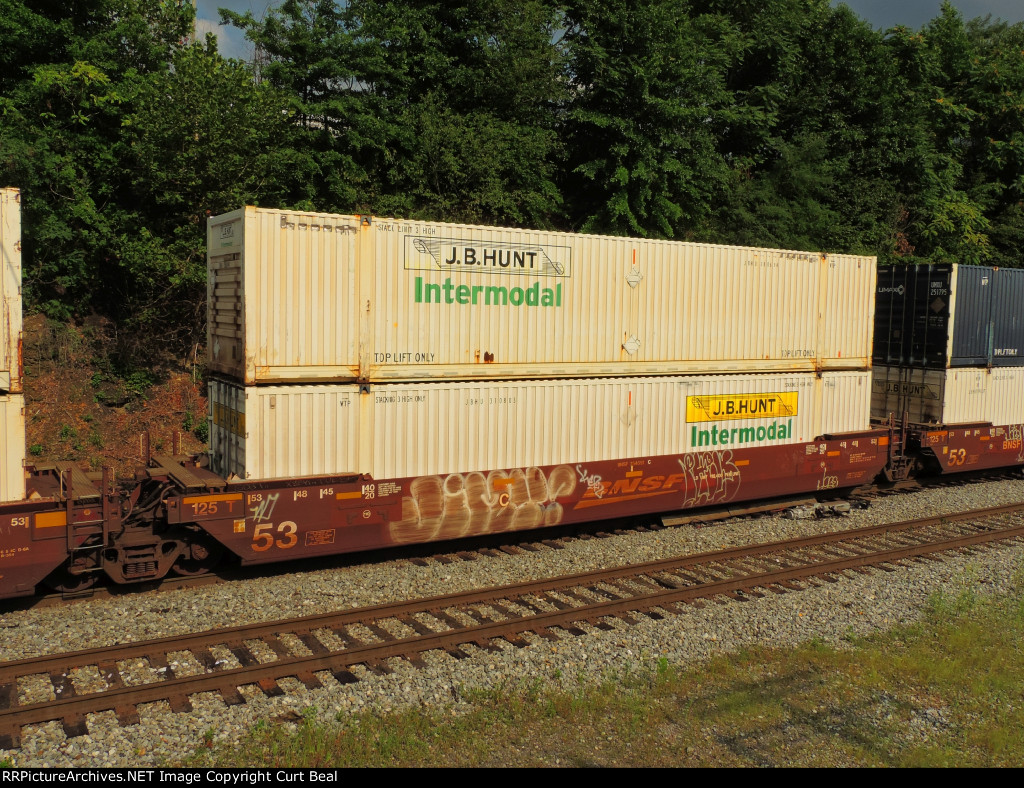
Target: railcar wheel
199,558
65,582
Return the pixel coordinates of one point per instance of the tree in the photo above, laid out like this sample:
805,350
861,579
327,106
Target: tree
648,107
946,218
201,138
423,109
813,171
65,69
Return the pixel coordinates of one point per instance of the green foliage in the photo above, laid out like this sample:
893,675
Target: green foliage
787,123
425,109
649,105
202,139
198,426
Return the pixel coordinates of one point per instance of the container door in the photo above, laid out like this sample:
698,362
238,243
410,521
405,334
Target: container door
972,320
1007,318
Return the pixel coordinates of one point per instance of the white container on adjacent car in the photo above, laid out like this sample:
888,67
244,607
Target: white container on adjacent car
405,430
962,395
10,290
307,297
12,441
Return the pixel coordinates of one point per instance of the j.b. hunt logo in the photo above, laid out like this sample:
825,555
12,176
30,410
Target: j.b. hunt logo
487,295
447,254
779,406
731,407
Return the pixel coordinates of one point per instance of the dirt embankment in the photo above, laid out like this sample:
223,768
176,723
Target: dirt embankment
83,406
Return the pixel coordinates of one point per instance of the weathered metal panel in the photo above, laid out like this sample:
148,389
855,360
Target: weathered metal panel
912,315
1008,318
846,321
10,290
282,296
960,395
419,301
283,431
12,447
405,429
971,335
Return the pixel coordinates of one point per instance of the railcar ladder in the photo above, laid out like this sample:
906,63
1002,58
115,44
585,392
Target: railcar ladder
898,467
76,486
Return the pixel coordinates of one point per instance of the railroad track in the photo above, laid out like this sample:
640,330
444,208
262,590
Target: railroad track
338,646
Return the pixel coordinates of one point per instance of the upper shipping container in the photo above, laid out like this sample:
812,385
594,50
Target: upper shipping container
946,316
10,290
303,297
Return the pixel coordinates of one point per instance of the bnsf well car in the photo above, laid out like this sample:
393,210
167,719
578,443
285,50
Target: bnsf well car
380,382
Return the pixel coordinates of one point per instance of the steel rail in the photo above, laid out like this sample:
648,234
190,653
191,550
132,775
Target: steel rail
60,662
125,700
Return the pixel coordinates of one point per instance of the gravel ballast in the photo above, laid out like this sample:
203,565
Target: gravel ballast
858,604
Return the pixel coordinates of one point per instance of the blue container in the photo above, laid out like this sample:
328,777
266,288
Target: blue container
942,316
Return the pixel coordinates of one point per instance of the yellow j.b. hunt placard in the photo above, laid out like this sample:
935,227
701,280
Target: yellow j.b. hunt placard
729,407
229,419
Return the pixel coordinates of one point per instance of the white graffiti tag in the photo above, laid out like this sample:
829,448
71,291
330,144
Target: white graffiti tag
265,508
1014,433
828,482
711,477
592,481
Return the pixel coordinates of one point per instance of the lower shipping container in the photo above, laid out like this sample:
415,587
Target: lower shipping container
409,430
12,439
953,396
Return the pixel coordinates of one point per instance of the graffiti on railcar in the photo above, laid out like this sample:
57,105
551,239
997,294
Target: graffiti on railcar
711,477
472,504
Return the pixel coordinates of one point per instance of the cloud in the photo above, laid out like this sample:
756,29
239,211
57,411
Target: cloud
231,41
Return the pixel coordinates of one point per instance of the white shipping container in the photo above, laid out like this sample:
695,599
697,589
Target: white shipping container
10,290
304,297
12,447
404,430
962,395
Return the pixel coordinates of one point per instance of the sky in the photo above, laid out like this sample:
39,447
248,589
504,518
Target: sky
880,13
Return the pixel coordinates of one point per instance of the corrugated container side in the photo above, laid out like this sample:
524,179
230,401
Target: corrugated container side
915,391
12,447
10,290
402,430
616,306
912,315
972,316
955,396
282,295
1008,317
847,317
939,317
402,300
225,294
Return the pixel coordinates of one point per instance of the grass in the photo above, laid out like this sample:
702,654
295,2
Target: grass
944,692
